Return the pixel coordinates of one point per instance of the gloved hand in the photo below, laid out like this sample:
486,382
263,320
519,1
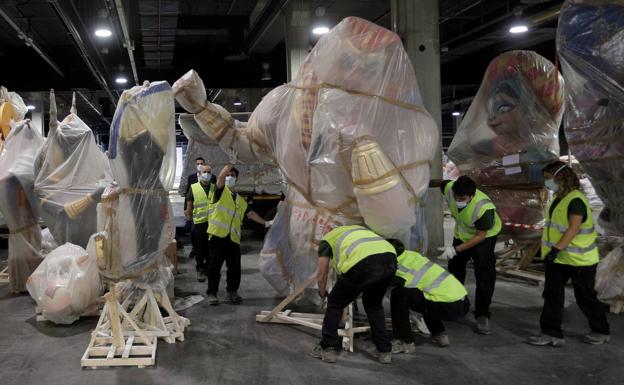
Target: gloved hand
268,224
552,255
447,253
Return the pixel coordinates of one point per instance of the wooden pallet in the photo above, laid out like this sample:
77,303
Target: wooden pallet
4,276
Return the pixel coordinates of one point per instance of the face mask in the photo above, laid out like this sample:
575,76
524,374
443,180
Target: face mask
204,178
199,167
551,185
230,181
461,205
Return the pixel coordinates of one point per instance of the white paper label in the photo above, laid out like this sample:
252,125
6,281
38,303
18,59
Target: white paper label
511,159
513,170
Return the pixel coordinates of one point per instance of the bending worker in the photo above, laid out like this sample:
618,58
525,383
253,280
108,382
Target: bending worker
365,264
426,288
224,229
569,251
476,226
197,200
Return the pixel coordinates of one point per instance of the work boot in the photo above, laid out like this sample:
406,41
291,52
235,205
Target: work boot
483,325
594,338
399,346
326,355
233,297
384,357
545,340
213,300
201,277
441,339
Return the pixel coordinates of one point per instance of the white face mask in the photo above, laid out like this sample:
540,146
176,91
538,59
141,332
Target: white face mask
204,177
551,185
199,167
461,205
230,181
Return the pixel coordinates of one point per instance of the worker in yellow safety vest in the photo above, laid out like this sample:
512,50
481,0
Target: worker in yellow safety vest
365,264
225,218
424,287
477,225
197,200
569,251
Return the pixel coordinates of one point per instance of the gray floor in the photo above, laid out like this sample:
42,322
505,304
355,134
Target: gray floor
225,346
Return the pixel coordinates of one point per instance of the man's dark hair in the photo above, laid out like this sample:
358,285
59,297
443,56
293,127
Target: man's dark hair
398,245
235,171
464,186
200,158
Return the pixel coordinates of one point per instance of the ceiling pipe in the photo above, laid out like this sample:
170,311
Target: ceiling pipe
88,102
30,42
127,42
71,28
272,12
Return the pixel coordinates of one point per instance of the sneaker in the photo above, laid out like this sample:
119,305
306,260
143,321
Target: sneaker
326,355
201,277
384,357
441,339
233,297
399,346
545,340
483,325
594,338
213,300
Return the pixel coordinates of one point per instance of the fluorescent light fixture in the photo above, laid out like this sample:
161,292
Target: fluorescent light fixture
103,32
320,30
121,80
30,107
238,103
520,28
456,113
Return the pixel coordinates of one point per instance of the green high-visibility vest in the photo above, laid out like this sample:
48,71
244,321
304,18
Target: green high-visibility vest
351,244
201,201
226,216
436,283
582,251
465,229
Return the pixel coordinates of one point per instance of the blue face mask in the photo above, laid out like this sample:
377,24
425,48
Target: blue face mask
551,185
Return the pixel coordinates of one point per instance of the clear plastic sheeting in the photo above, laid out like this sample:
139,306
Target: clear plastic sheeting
135,218
590,42
18,202
510,132
256,177
610,277
12,109
70,175
66,284
350,135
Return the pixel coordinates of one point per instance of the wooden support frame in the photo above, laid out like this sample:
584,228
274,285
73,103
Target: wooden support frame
522,265
4,276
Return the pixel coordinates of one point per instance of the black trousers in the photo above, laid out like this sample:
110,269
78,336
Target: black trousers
583,279
484,261
402,300
224,250
371,278
201,246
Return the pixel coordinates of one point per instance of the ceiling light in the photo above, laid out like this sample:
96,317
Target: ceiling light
103,32
520,28
238,103
121,80
30,107
320,30
456,113
266,75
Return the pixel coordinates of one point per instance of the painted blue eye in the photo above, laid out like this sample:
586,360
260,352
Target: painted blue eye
504,108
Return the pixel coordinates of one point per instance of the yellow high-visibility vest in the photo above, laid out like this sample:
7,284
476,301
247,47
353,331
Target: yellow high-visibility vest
465,229
226,216
201,202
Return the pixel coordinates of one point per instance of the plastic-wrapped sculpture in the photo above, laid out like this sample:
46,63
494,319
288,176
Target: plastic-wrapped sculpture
590,42
18,202
66,284
254,178
351,137
12,108
70,175
510,132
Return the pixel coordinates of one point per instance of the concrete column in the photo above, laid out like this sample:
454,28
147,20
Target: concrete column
297,35
417,22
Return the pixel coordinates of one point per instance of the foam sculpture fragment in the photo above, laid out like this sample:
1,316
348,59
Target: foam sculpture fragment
510,132
349,134
590,43
66,284
18,203
70,175
135,217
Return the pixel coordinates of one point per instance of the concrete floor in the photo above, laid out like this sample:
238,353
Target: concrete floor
225,346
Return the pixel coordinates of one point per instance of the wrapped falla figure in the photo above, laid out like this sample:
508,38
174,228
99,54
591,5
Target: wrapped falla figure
510,132
70,175
349,134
